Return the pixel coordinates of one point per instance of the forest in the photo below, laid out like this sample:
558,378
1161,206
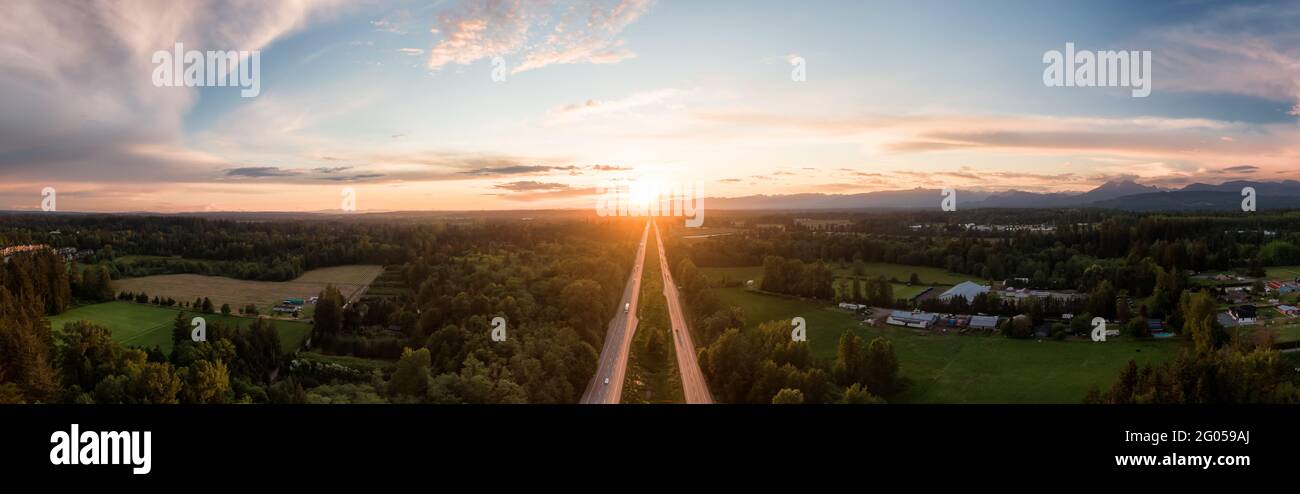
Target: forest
555,283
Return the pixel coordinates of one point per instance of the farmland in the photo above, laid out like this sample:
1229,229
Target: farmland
147,326
240,293
901,273
965,369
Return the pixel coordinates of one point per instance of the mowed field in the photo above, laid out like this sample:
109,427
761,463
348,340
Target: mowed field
1283,272
146,325
966,369
939,278
240,293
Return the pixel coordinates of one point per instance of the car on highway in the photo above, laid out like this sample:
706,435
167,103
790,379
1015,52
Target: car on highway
607,381
627,307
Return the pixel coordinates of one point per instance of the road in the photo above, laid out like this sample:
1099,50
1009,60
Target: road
697,391
618,339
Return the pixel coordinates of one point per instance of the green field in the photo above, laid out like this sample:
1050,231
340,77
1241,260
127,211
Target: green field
148,325
1283,272
901,272
966,369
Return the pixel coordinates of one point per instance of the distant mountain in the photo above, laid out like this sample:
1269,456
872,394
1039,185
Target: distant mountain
905,199
1120,194
1283,188
1106,191
1196,200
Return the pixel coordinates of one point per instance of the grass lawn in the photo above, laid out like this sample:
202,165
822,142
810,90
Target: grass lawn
1283,272
148,325
967,369
900,272
901,290
903,272
359,363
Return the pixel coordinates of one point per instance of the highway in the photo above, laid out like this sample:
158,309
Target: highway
697,391
618,339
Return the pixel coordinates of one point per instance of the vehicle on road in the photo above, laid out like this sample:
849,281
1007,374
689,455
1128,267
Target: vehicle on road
627,307
607,381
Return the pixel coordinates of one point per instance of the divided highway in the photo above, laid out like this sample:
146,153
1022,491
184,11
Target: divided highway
697,391
607,385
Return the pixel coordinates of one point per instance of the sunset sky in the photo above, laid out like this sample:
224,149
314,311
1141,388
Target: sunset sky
396,100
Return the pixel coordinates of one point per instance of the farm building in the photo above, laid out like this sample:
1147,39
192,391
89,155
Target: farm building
1282,287
1244,314
984,322
1289,310
966,289
921,320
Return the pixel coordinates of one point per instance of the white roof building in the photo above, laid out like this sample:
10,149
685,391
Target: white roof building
966,289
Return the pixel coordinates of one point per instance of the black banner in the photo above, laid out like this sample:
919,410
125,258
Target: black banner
314,442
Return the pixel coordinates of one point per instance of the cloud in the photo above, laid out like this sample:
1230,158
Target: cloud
76,91
1245,49
532,191
1239,169
516,170
530,185
538,33
411,51
595,108
260,171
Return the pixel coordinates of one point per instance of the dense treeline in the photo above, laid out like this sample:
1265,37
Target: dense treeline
1126,246
765,365
1215,369
276,250
556,285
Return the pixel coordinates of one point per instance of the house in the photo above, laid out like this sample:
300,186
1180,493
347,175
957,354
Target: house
1243,314
966,289
296,302
813,224
984,322
848,306
1289,310
922,320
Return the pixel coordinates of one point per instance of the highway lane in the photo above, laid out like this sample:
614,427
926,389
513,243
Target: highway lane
697,390
618,339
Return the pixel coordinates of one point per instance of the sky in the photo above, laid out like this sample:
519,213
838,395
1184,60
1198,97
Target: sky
473,105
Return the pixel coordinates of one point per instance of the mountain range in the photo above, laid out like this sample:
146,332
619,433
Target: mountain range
1121,194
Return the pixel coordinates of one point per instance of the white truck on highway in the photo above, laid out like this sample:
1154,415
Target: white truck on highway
627,307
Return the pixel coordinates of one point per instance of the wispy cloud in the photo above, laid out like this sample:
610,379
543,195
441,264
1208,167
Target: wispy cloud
534,33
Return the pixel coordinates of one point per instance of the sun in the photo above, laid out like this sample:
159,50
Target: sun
642,192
